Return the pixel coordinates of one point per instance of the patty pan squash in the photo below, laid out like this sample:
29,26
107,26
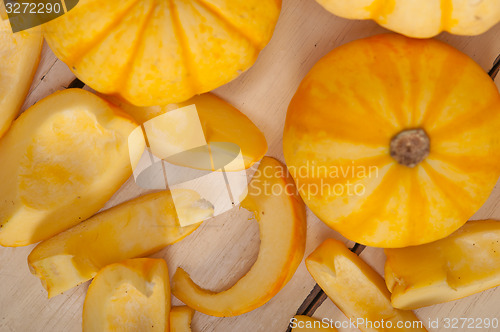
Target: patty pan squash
155,52
422,18
62,160
394,141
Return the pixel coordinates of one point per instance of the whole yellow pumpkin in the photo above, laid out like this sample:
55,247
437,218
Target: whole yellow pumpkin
394,141
422,18
156,52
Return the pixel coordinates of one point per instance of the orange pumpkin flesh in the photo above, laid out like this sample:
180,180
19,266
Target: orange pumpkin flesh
360,109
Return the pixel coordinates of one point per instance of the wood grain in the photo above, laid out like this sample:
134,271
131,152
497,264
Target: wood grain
223,249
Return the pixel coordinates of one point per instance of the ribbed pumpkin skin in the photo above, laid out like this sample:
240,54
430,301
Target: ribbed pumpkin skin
345,114
422,18
156,52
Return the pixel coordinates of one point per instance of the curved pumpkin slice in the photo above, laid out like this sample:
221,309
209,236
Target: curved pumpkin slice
135,228
273,198
357,289
133,295
459,265
61,161
220,121
180,319
302,323
19,57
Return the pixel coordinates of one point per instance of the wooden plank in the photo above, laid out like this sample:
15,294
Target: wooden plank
223,249
52,75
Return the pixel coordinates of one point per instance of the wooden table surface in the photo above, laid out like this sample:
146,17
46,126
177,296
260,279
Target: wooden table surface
224,248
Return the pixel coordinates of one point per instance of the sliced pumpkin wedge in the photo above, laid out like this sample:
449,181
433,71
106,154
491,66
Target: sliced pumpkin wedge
301,323
133,295
357,289
220,122
273,198
180,319
135,228
19,57
62,160
462,264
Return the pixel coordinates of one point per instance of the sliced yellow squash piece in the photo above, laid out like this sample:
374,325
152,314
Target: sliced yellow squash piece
462,264
133,295
357,289
61,161
135,228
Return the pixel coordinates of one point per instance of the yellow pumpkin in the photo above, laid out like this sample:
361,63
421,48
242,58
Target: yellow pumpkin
394,141
155,52
423,18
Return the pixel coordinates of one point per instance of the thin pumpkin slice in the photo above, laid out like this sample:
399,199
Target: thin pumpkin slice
301,323
180,319
393,141
133,295
220,122
19,57
155,52
62,160
357,289
462,264
132,229
282,222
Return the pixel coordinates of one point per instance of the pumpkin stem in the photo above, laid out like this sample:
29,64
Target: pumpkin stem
410,147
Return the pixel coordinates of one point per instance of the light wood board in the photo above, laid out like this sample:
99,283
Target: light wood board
223,249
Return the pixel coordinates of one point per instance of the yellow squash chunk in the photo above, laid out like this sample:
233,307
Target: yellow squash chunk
282,222
220,121
155,52
422,18
180,319
302,323
135,228
357,289
393,141
133,295
61,161
19,56
464,263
